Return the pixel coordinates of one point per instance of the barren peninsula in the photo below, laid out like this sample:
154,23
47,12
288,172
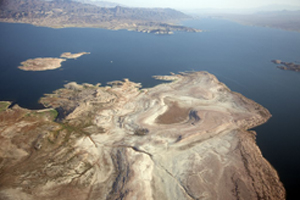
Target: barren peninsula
186,139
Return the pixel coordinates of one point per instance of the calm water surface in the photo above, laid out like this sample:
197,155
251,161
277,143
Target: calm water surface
238,55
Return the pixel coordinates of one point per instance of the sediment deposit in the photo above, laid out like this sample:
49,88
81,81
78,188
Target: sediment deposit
186,139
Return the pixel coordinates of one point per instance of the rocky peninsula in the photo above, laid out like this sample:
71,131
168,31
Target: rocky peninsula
287,65
185,139
43,64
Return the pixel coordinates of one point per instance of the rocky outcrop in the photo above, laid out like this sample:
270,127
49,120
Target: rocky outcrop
187,139
287,65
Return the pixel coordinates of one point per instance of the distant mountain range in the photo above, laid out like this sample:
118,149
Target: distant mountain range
286,20
100,3
268,8
67,13
275,16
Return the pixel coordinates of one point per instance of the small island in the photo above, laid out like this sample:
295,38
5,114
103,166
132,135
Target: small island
287,65
69,55
41,64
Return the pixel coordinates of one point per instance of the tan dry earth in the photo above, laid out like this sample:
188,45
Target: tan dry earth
186,139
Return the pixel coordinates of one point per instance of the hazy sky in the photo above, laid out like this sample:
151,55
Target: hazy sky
190,4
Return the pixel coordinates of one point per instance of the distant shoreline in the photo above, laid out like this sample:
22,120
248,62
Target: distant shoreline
61,14
288,21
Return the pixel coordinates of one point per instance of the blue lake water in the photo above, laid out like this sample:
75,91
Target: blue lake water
238,55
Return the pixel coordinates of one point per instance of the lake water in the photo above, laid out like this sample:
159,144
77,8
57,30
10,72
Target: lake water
238,55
